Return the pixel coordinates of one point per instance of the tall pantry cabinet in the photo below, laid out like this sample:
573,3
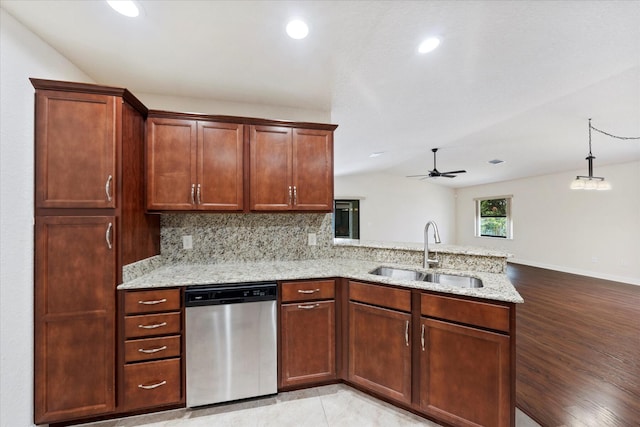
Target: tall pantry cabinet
89,222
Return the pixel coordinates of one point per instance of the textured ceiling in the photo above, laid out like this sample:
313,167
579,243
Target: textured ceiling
515,80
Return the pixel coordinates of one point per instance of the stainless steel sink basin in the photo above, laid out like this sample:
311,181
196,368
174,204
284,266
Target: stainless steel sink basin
398,273
452,280
443,279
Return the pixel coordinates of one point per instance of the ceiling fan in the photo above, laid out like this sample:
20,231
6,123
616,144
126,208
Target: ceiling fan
435,172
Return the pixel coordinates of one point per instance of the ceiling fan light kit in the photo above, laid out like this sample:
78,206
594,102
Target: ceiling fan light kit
591,182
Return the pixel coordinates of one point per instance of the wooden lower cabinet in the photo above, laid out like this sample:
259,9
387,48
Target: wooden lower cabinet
380,350
75,260
308,343
150,384
307,333
151,354
464,374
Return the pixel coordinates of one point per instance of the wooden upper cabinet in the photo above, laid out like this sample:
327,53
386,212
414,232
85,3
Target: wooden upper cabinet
220,183
75,144
194,165
291,169
313,169
171,164
271,153
75,284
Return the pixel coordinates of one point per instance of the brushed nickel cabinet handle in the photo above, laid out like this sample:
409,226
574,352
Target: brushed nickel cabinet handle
422,337
295,195
193,192
154,326
198,191
308,291
290,194
406,333
107,188
153,350
152,386
308,306
158,301
107,235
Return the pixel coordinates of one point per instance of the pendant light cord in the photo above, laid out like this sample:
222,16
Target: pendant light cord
608,134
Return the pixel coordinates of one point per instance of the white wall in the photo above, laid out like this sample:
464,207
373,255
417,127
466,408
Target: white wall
594,233
22,55
396,209
214,107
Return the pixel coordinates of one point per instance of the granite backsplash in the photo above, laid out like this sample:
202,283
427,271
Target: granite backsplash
245,237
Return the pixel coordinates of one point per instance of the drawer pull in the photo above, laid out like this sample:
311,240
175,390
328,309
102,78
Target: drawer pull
152,386
153,350
158,301
308,306
308,291
422,337
157,325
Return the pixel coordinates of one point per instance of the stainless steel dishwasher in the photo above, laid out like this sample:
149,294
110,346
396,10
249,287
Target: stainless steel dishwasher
231,349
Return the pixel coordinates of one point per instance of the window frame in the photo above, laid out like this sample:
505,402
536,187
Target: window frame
354,219
509,217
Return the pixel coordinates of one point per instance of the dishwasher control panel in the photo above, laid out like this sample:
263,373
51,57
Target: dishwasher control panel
229,294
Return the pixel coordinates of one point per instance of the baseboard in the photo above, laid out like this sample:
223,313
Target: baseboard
621,279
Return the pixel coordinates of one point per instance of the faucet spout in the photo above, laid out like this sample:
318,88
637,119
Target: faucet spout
436,237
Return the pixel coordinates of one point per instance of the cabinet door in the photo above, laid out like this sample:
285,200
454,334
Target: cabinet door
171,164
464,374
220,166
308,352
313,170
75,266
75,150
270,152
380,350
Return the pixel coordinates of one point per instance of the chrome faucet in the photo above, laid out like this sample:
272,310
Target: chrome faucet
436,236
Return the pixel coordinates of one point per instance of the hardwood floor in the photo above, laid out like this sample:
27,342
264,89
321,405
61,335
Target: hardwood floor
578,349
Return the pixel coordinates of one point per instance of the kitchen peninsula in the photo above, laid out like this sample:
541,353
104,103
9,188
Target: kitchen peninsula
436,337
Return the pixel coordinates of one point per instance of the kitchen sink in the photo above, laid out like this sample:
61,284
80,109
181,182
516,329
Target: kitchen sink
453,280
398,273
443,279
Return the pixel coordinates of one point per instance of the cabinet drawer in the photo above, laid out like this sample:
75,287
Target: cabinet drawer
380,295
152,324
152,301
152,383
475,313
152,348
308,290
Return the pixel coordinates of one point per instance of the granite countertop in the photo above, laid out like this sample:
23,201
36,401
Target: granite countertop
433,247
496,286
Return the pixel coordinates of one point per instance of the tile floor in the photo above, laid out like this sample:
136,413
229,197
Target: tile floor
326,406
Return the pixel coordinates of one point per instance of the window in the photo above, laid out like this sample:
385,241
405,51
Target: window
493,217
346,219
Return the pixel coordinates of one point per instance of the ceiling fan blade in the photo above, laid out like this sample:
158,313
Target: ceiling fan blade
448,176
416,176
454,172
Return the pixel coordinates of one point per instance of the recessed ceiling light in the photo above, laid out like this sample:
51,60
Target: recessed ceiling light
125,7
297,29
377,154
496,161
428,45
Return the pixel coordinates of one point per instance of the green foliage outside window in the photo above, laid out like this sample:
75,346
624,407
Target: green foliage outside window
493,220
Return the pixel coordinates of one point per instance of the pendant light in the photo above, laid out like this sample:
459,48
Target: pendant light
591,182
